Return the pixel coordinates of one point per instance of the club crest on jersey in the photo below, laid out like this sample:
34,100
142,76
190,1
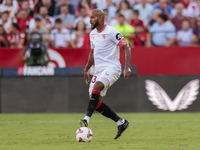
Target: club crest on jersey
104,36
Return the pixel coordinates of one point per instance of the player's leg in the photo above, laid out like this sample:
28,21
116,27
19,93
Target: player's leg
105,109
93,102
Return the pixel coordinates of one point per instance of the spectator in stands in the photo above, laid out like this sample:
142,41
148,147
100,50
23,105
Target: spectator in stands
16,37
46,20
136,19
184,36
145,10
125,29
78,34
196,33
111,9
84,3
179,6
5,21
177,21
131,2
125,10
3,40
66,17
60,36
26,5
185,3
23,19
8,6
42,30
106,17
154,17
114,21
162,33
84,17
50,4
193,11
99,3
164,7
140,36
64,2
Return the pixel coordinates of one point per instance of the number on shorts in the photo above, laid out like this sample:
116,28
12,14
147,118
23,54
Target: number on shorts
94,79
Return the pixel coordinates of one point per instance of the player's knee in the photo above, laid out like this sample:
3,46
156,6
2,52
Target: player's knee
98,86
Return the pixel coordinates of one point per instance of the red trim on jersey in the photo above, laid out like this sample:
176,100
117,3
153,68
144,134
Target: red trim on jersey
98,105
96,92
102,29
122,42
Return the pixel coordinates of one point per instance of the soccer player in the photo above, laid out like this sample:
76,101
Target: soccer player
105,44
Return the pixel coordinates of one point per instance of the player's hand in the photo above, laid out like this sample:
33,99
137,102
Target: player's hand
127,73
86,77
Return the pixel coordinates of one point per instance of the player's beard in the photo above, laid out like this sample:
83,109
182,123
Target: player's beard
95,25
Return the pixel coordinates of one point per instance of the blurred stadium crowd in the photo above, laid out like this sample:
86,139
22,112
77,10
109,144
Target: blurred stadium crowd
65,23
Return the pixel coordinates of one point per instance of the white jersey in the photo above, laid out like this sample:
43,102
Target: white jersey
106,45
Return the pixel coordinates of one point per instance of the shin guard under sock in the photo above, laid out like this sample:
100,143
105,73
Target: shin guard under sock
93,102
107,112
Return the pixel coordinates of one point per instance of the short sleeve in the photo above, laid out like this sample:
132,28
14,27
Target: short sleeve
117,38
178,35
67,36
91,42
52,36
73,36
153,28
171,34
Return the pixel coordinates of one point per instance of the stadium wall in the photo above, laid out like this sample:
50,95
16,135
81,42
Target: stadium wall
70,94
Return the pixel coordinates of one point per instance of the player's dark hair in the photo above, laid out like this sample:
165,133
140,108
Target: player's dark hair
163,16
58,20
136,12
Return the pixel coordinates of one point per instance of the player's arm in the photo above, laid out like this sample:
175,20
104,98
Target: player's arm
127,70
88,65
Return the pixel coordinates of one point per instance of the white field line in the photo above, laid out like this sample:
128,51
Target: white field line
64,121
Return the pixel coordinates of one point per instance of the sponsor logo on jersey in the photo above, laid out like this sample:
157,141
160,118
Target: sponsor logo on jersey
185,97
119,36
104,36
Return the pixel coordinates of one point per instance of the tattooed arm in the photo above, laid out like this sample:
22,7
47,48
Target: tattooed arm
88,65
127,70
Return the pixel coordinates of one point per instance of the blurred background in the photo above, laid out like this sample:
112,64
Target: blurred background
44,46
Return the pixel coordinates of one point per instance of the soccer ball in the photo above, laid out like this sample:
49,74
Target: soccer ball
84,134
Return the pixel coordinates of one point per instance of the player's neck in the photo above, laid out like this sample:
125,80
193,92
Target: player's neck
100,27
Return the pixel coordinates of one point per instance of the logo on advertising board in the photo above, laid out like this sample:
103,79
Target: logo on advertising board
36,71
56,59
185,97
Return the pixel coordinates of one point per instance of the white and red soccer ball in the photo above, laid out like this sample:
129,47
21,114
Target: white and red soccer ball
84,134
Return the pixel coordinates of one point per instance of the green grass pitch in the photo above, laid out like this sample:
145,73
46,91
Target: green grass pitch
147,131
